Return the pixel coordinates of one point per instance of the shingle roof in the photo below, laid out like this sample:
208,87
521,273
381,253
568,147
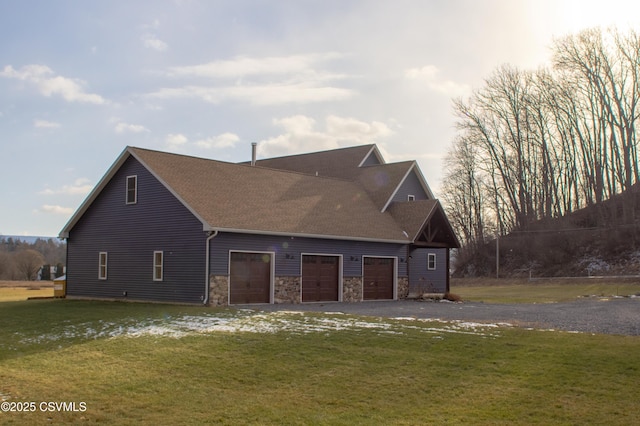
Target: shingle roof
381,181
340,163
270,201
416,216
241,198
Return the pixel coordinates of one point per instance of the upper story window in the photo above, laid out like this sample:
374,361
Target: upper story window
431,261
132,189
411,197
102,265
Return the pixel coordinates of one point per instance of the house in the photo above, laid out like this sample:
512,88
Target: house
337,225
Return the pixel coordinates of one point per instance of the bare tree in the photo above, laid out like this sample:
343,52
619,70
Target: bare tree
463,191
28,262
545,143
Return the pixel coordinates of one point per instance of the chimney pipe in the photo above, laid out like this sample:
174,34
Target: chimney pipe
253,153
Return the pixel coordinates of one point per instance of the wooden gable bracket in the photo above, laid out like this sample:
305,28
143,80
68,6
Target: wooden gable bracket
429,233
436,232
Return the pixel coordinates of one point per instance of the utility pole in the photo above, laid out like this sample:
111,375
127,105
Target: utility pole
497,241
497,254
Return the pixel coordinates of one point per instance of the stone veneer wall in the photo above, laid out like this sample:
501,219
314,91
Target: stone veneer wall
218,290
403,287
287,290
352,289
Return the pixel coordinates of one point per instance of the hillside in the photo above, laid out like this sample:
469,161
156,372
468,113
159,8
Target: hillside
601,239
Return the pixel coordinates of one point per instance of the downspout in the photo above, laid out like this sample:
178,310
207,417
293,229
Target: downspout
212,235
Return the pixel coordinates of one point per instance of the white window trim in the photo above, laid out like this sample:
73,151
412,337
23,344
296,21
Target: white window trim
156,266
429,257
411,197
135,192
102,266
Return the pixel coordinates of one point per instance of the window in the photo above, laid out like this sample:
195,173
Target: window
132,189
411,197
102,265
431,261
158,262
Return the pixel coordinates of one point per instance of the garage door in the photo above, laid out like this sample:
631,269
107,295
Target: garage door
320,278
378,278
250,278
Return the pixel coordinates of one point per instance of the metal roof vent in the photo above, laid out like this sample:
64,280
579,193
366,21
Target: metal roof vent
253,153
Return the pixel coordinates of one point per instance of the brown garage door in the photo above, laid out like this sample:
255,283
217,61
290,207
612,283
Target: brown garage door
320,277
250,278
378,278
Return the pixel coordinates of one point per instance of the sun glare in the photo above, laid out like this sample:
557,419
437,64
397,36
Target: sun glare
576,15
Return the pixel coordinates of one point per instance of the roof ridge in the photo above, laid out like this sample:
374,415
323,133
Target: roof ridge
248,165
318,152
388,164
179,155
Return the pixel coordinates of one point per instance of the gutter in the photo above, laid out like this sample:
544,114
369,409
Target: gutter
212,235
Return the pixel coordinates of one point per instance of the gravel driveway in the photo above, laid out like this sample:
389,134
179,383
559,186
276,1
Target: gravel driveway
607,316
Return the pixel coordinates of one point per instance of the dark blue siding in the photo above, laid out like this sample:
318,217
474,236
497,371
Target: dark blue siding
130,234
289,249
422,280
371,160
410,186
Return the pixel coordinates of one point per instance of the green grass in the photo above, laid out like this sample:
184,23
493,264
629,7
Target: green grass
523,291
384,372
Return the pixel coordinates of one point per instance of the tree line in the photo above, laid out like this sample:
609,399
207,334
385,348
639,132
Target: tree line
533,145
20,260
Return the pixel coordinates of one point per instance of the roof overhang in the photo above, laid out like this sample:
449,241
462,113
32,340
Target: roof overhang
305,235
436,231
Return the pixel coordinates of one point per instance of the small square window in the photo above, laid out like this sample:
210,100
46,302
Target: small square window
411,197
158,265
431,261
132,189
102,265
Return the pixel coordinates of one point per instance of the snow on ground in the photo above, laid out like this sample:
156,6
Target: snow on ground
248,321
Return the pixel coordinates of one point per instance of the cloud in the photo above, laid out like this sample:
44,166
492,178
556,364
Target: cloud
355,130
224,140
48,84
80,186
428,75
300,134
122,127
268,94
174,140
58,210
44,124
150,41
279,80
242,66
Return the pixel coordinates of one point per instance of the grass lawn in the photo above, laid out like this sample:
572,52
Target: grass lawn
540,291
22,290
159,364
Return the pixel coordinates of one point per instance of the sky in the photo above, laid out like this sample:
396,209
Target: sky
82,80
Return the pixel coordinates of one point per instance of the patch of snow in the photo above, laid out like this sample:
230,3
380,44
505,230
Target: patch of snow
249,321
